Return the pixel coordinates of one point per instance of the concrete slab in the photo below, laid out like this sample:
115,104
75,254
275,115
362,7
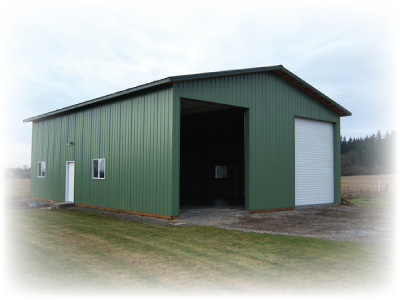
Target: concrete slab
62,204
314,206
204,212
52,204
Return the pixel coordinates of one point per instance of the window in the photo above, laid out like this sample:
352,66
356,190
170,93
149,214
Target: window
99,168
221,171
41,169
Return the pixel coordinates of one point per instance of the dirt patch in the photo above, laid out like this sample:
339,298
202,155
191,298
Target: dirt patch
329,222
369,185
346,202
17,203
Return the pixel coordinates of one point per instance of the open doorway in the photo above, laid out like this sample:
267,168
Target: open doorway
212,155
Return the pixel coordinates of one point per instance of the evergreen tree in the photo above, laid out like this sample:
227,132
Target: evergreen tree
373,154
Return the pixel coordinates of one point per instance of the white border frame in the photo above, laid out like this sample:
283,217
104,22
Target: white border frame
99,165
37,175
66,181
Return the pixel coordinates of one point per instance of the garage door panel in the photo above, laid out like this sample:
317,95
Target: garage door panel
314,172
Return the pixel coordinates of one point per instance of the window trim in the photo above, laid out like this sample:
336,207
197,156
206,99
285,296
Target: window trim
41,168
98,163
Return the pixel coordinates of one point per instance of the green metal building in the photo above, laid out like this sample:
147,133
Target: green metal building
260,138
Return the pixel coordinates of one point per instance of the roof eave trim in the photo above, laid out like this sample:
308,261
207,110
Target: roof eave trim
340,109
224,73
279,69
107,97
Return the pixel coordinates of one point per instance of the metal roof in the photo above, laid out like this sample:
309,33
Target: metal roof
279,69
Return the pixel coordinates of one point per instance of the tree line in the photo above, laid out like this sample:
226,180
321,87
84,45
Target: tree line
24,172
374,154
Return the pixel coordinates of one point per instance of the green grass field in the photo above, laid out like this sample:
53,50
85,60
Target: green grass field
374,202
70,250
21,187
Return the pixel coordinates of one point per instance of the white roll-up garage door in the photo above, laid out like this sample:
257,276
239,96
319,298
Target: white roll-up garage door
313,162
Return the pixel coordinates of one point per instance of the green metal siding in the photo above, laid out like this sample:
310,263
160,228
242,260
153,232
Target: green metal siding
139,136
337,162
133,134
272,104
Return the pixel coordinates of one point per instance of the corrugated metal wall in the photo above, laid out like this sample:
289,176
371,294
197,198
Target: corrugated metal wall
139,136
272,104
134,135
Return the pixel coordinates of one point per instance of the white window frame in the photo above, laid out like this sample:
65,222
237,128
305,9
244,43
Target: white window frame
98,164
41,163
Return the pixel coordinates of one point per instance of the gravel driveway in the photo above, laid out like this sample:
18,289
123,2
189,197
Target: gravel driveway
340,223
329,222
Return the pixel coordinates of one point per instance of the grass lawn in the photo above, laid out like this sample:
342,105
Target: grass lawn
21,187
373,202
74,251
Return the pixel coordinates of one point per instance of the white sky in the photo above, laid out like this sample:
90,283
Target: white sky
56,55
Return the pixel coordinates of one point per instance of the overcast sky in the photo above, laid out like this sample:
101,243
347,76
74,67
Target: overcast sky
56,55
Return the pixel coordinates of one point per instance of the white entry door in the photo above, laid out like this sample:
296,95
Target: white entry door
69,184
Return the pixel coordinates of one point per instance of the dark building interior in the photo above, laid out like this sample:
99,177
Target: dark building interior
212,155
